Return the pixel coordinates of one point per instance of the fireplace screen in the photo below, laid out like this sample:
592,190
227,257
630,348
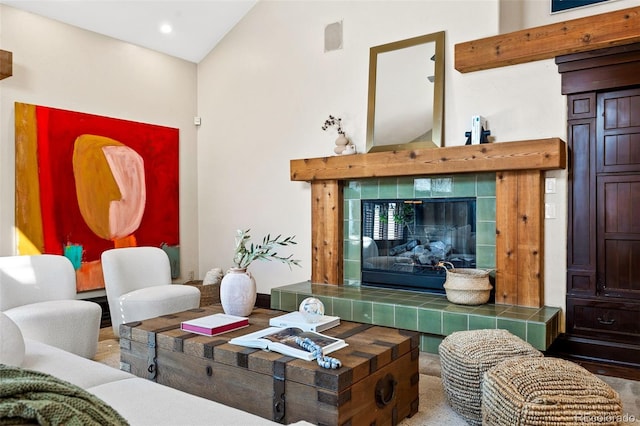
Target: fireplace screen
404,240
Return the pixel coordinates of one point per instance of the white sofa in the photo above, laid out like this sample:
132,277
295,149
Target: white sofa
139,401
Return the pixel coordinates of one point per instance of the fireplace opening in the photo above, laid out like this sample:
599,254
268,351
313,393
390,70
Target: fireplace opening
404,240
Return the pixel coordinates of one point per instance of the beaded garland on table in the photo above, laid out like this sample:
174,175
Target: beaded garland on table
323,361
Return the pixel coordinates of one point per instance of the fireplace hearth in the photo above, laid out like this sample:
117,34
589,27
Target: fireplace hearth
404,241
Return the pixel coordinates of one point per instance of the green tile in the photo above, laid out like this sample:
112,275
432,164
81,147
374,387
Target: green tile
405,187
388,188
452,322
422,187
430,321
486,233
406,318
486,184
369,189
464,185
352,209
352,190
351,269
383,314
362,311
485,257
342,309
352,229
328,303
275,299
352,250
536,335
519,328
490,309
288,301
430,343
479,322
442,187
545,314
486,208
519,312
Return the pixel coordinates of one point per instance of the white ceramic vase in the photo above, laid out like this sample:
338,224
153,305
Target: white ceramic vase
238,292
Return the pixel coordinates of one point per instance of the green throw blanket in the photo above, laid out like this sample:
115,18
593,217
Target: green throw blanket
29,396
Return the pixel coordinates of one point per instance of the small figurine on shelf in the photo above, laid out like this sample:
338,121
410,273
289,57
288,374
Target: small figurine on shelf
343,144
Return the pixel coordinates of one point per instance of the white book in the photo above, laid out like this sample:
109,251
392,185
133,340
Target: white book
296,319
282,340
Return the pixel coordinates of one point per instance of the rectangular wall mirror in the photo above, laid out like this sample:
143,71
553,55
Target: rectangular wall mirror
406,94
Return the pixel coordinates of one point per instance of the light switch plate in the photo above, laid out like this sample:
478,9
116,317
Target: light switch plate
550,185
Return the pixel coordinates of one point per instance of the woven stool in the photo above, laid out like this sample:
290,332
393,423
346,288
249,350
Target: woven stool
465,356
547,391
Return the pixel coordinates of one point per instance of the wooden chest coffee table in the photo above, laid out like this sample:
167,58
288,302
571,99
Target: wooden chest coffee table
377,384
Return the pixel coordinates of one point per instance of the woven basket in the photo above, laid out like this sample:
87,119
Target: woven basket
209,294
465,286
466,355
547,391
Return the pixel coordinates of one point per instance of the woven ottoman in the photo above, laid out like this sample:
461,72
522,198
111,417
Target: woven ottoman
465,356
547,391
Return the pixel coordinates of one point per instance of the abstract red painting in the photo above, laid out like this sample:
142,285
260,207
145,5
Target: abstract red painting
87,183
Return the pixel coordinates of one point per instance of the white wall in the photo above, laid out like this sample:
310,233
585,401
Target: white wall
265,91
65,67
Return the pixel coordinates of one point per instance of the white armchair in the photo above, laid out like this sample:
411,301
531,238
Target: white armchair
138,285
38,294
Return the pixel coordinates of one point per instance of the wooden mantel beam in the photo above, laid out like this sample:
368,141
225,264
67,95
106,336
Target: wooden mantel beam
548,41
539,154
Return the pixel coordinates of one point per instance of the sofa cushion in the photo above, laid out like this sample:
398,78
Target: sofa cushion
67,366
143,402
11,343
33,396
72,325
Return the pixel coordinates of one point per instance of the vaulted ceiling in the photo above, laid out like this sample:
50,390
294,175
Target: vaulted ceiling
197,25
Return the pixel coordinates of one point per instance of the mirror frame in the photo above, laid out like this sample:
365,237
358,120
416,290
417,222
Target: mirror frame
438,95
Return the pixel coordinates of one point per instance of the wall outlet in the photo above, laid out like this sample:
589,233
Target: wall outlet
191,275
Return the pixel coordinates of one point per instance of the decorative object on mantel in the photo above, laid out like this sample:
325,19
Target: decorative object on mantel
238,287
343,144
466,286
479,133
6,64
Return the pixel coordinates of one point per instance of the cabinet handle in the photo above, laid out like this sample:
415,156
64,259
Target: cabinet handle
606,321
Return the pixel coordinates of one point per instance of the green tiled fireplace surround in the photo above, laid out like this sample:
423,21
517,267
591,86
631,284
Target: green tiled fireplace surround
430,314
482,186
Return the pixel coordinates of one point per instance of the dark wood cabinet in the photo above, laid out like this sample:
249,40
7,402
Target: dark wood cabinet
603,250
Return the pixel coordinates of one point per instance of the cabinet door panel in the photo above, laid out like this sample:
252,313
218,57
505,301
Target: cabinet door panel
619,236
619,131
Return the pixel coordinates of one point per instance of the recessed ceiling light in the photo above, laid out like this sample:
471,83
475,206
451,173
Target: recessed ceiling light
165,28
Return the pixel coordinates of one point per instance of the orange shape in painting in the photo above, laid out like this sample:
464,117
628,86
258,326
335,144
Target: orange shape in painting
110,186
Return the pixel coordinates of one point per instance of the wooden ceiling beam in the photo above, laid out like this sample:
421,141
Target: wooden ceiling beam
609,29
6,64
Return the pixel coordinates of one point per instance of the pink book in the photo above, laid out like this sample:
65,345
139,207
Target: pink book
214,324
